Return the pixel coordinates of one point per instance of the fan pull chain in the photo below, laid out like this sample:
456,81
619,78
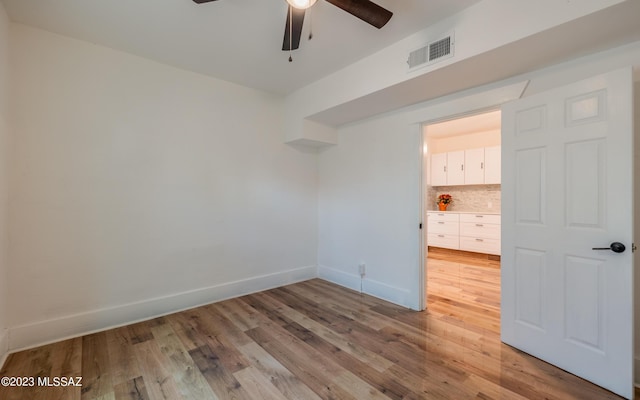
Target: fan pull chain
290,33
310,24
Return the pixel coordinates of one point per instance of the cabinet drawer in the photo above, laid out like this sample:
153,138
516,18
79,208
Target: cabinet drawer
486,218
442,216
480,245
443,240
480,230
446,227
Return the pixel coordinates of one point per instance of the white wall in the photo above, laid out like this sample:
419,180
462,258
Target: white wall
138,189
368,213
368,185
4,153
464,142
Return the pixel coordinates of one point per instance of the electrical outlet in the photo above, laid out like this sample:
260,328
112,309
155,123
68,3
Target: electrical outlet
362,269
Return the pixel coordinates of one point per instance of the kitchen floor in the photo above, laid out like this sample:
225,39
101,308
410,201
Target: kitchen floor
464,287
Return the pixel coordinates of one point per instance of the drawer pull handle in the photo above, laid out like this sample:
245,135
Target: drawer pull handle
442,215
479,216
441,236
441,223
479,240
479,224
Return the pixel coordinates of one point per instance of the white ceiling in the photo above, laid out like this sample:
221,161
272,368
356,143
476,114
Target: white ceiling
236,40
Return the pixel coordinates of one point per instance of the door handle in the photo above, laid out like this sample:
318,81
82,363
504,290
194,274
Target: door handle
616,247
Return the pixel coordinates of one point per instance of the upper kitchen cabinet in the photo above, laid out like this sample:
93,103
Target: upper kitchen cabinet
455,168
474,166
439,169
463,151
466,167
492,165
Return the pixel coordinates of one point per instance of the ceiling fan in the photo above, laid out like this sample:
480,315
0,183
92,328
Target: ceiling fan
366,10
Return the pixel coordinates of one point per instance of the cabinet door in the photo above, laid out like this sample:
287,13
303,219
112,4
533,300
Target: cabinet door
439,169
492,165
474,166
455,168
443,216
479,245
479,230
443,240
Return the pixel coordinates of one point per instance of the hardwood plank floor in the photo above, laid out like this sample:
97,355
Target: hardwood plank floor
311,340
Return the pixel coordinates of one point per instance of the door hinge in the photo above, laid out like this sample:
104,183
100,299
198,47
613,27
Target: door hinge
420,225
633,247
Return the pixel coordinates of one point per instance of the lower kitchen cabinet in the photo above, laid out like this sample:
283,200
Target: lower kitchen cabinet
475,232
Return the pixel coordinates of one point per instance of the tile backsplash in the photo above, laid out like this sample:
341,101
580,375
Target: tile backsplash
473,198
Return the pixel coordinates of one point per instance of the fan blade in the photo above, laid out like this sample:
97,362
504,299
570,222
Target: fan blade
202,1
367,11
295,30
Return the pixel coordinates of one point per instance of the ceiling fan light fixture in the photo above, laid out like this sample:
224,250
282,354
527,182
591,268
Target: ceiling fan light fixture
301,4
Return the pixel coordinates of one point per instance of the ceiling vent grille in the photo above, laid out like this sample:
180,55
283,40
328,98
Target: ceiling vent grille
433,52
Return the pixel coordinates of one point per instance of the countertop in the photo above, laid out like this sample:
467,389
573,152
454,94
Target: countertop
466,212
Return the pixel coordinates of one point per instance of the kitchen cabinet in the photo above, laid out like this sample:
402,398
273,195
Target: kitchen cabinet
443,230
493,165
466,167
455,168
480,233
447,168
474,166
439,169
475,232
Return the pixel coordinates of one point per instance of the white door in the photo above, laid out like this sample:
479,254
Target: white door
567,188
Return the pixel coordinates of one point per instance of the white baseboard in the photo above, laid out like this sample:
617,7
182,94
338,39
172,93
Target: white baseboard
44,332
386,292
4,346
371,287
351,281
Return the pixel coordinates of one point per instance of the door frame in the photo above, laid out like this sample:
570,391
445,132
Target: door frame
423,189
471,102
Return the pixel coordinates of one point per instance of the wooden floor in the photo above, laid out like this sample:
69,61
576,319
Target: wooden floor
311,340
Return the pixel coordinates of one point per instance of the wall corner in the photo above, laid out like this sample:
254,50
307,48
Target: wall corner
309,133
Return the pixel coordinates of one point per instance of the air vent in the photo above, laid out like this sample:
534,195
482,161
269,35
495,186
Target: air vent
431,53
440,49
418,57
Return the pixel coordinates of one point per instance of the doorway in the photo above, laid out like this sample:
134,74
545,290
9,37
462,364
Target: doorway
461,159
